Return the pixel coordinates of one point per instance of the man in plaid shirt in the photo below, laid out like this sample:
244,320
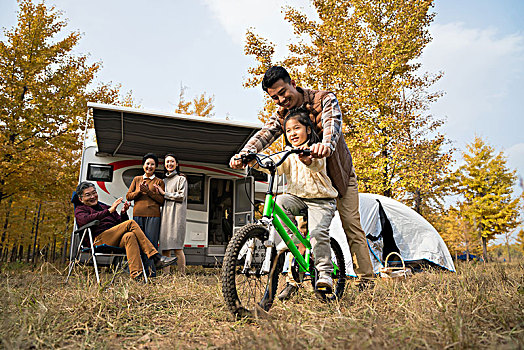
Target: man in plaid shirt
326,116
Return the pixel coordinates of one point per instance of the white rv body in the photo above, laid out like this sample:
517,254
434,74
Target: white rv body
220,199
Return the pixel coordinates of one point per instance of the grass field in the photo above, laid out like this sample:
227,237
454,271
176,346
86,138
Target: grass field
480,306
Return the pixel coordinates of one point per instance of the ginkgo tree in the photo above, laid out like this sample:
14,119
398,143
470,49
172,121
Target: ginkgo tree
457,233
366,52
486,190
44,89
43,93
520,240
201,105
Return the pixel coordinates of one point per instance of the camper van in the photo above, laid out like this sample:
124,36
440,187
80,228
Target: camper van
220,199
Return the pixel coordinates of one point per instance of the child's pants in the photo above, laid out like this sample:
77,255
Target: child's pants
320,212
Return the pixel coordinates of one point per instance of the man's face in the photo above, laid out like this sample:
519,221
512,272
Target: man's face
89,196
285,94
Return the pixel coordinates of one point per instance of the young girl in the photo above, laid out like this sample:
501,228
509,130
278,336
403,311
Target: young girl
173,227
310,190
146,211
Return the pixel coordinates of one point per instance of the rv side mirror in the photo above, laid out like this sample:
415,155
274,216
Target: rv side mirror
100,172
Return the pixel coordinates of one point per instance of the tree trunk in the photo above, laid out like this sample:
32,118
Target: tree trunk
6,222
21,253
36,231
485,249
13,254
66,239
418,201
53,250
385,174
2,193
466,241
64,250
509,253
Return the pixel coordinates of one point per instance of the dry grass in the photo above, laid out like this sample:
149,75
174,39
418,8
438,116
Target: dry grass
481,306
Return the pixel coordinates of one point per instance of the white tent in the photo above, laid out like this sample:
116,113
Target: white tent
391,226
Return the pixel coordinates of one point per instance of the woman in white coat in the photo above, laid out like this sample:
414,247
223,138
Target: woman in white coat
174,211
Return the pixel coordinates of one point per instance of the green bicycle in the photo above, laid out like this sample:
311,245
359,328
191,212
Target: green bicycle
252,266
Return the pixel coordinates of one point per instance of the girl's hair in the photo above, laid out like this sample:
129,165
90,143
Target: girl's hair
302,116
150,156
177,168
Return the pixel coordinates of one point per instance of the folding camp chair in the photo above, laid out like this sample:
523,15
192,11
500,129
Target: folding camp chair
99,255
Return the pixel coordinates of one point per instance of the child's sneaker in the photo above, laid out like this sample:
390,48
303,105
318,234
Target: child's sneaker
324,283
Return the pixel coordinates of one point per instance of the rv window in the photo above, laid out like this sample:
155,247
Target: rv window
243,195
130,174
195,188
100,172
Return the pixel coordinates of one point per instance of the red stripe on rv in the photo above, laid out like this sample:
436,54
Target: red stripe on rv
118,165
130,162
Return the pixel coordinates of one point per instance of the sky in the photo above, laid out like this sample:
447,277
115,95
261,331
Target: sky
155,49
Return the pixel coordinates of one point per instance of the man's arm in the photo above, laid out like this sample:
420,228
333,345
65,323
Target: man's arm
331,125
84,215
265,136
260,141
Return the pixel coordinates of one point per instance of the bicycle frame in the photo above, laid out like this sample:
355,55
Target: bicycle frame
254,259
273,211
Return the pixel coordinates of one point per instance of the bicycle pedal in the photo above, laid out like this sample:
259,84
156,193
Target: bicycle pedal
324,290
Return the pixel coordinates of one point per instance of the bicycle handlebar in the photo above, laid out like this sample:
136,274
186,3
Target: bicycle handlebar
248,157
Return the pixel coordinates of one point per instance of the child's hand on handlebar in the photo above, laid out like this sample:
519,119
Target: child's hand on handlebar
306,158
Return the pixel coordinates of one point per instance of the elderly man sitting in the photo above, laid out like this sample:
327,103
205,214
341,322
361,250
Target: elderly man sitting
116,230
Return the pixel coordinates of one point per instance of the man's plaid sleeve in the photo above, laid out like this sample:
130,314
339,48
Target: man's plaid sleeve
331,121
265,136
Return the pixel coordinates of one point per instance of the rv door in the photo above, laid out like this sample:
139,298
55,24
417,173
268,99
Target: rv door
244,198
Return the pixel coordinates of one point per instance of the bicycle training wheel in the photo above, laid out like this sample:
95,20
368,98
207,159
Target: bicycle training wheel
338,274
244,282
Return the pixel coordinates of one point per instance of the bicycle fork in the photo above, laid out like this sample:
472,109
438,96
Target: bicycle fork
269,244
249,249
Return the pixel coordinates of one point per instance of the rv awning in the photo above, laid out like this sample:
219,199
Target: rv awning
133,132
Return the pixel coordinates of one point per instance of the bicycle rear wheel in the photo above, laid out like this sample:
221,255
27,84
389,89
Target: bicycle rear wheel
245,283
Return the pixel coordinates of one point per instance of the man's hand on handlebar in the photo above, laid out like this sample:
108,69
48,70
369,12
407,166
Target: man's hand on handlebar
319,150
239,161
236,161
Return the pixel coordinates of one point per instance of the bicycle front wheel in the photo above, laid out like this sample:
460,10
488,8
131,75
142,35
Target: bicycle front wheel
249,277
